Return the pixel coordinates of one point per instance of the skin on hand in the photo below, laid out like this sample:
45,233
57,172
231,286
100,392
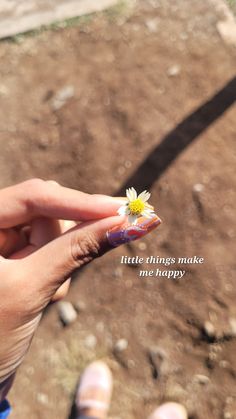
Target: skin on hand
40,249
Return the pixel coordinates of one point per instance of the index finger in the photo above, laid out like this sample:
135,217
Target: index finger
33,198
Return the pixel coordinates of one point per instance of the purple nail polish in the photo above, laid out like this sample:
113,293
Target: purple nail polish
127,233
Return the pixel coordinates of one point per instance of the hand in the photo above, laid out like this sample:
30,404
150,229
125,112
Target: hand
34,268
39,253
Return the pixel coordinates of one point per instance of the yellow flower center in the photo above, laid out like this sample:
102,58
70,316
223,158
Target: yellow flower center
136,207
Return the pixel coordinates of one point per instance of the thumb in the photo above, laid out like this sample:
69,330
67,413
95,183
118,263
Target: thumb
56,261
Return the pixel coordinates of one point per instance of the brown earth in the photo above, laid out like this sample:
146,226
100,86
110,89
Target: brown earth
129,122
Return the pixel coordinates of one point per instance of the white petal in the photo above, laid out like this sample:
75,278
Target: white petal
134,193
144,196
148,213
148,209
132,219
131,194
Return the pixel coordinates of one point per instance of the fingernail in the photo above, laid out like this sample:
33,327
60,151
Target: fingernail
127,233
170,411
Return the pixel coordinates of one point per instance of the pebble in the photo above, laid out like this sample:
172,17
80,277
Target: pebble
142,246
224,363
232,323
128,164
61,97
80,306
3,90
227,31
42,398
156,356
30,370
90,341
118,272
152,25
209,329
121,345
66,312
198,187
201,379
174,70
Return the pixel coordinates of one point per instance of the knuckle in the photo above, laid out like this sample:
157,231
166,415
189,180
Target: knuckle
84,249
37,192
33,189
53,182
32,184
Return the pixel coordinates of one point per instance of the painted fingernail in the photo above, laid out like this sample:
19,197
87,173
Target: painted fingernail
127,233
170,411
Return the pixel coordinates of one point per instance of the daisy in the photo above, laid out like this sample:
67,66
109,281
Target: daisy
136,206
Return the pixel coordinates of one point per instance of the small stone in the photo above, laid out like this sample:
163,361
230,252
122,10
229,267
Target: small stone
90,341
118,272
152,25
201,379
42,398
3,90
212,356
156,356
232,323
174,70
224,363
61,97
198,187
80,306
128,164
209,329
121,345
30,370
142,246
227,31
66,312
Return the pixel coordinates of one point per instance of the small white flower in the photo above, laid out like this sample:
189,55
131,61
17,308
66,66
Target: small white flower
136,206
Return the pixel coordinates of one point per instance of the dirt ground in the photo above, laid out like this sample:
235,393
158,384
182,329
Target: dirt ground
150,104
